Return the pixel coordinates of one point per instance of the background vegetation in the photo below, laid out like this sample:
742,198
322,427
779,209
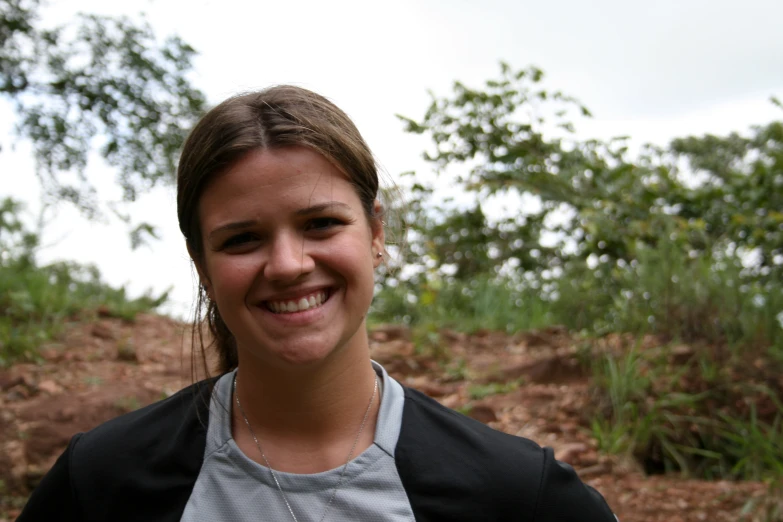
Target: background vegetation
683,243
37,302
97,87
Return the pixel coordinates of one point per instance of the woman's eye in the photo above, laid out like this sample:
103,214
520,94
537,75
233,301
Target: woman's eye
238,240
320,224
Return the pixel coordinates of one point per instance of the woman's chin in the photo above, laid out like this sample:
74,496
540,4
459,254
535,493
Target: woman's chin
300,355
303,359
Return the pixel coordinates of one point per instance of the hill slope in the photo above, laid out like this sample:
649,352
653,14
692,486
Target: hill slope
529,384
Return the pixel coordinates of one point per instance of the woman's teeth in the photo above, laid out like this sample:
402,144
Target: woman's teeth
313,300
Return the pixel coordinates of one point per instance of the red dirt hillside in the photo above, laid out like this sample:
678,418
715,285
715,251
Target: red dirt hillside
529,384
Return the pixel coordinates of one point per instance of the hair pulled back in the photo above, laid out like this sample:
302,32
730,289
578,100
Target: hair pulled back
277,117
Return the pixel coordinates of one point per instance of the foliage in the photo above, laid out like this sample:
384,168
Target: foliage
596,225
97,83
665,291
36,302
684,242
482,303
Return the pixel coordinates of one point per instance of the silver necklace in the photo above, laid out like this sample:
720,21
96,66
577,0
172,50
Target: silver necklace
274,475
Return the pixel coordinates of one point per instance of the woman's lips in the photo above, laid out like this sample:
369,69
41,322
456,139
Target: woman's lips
300,304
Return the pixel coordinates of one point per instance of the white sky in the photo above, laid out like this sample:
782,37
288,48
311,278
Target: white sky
651,70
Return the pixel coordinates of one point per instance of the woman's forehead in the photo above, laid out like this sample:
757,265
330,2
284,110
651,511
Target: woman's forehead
278,180
287,167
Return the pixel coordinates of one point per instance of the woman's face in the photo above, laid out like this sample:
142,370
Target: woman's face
289,256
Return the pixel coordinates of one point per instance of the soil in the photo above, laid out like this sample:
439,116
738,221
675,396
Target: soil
529,384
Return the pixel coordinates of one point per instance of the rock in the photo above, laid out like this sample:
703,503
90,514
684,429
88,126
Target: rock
453,336
402,367
452,401
570,452
101,331
68,414
389,350
482,413
597,469
50,387
535,339
433,389
7,381
389,332
126,351
681,353
52,354
555,369
17,394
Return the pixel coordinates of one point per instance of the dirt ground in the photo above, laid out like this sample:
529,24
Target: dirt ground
110,367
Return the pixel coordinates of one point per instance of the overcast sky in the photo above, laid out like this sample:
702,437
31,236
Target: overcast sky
651,70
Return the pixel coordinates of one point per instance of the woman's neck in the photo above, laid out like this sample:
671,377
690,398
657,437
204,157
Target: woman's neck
306,420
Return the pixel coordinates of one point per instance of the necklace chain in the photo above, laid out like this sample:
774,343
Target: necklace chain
272,471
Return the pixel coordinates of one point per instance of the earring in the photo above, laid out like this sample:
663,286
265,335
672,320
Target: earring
379,254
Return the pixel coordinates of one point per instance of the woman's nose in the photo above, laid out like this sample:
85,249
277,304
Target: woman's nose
288,259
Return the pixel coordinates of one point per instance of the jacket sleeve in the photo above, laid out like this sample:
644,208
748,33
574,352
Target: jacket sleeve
54,497
563,497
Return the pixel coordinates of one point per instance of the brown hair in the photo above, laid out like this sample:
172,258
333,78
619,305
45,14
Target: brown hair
276,117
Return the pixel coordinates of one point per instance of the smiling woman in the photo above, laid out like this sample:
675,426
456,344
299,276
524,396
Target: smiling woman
277,200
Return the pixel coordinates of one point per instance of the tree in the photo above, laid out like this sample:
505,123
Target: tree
98,84
649,241
496,141
740,196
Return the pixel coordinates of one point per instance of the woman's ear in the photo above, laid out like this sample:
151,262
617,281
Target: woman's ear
202,274
378,234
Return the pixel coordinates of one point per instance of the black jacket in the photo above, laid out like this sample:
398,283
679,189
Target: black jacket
142,467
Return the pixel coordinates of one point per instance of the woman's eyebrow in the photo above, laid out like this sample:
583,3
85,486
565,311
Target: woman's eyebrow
316,209
231,226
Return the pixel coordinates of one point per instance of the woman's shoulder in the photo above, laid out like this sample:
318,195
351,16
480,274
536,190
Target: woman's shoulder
483,473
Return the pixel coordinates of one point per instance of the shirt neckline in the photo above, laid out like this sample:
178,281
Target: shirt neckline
387,430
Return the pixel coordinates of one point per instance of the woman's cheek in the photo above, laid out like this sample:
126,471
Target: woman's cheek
232,273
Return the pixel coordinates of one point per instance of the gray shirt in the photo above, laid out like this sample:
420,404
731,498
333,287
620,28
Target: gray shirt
232,487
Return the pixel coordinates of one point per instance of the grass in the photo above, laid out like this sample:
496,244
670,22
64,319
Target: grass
483,303
671,419
700,417
481,391
717,301
456,369
127,404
